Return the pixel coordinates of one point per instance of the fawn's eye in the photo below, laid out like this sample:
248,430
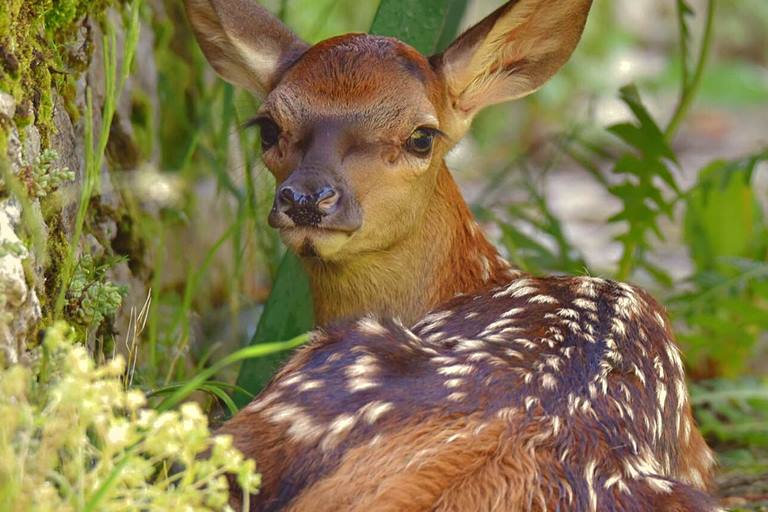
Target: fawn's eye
421,140
269,130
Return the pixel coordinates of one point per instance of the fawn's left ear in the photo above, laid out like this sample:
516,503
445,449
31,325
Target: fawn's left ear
511,53
244,43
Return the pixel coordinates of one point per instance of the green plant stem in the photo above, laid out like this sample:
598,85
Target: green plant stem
106,486
193,281
682,11
626,264
113,86
689,89
260,350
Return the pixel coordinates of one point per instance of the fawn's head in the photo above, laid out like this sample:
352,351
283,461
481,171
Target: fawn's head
355,128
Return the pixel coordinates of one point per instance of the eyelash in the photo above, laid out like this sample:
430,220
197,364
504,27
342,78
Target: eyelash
266,124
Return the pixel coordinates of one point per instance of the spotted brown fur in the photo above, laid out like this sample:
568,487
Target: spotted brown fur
495,390
599,388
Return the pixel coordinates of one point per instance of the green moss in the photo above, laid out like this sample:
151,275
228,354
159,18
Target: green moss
39,57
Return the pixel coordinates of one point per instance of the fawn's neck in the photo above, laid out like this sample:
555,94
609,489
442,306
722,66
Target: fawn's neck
446,256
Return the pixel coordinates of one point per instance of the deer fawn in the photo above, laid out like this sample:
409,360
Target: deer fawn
463,385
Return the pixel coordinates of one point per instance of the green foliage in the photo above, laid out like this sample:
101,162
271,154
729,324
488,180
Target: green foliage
536,242
720,312
73,438
643,171
287,313
42,178
428,26
38,56
13,248
733,410
91,298
114,83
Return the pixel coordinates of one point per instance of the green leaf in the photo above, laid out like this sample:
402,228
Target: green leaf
427,25
723,216
645,136
287,313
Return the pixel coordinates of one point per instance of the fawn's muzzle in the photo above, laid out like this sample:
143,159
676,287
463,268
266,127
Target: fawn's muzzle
306,207
310,200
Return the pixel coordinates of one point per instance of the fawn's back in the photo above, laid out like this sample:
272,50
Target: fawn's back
561,392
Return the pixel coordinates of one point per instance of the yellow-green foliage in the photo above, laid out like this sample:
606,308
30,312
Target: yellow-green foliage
72,438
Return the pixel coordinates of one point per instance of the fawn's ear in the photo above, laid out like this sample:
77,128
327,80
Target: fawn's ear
511,53
244,43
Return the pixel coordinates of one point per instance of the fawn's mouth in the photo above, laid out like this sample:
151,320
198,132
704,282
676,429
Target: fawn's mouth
315,242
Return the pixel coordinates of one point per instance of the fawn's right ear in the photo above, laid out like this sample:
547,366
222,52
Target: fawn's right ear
244,43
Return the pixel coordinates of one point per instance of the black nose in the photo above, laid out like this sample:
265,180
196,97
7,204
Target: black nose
323,199
306,208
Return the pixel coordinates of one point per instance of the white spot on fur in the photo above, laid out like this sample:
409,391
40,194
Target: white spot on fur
453,383
512,312
586,286
364,365
548,381
589,476
360,384
457,369
263,401
518,288
585,304
302,427
616,479
543,299
433,321
293,379
338,428
506,413
640,375
524,342
372,411
659,485
371,326
471,344
568,313
311,384
478,356
457,396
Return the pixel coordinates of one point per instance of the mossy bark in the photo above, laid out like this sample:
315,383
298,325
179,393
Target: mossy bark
51,52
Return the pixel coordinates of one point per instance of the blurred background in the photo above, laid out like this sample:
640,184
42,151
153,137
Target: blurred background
644,159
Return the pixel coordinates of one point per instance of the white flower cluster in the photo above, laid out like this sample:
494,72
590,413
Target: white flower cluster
73,439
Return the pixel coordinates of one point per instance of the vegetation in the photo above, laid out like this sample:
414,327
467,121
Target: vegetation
84,409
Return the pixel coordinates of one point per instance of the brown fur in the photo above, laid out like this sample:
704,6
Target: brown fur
465,464
600,436
441,258
462,412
